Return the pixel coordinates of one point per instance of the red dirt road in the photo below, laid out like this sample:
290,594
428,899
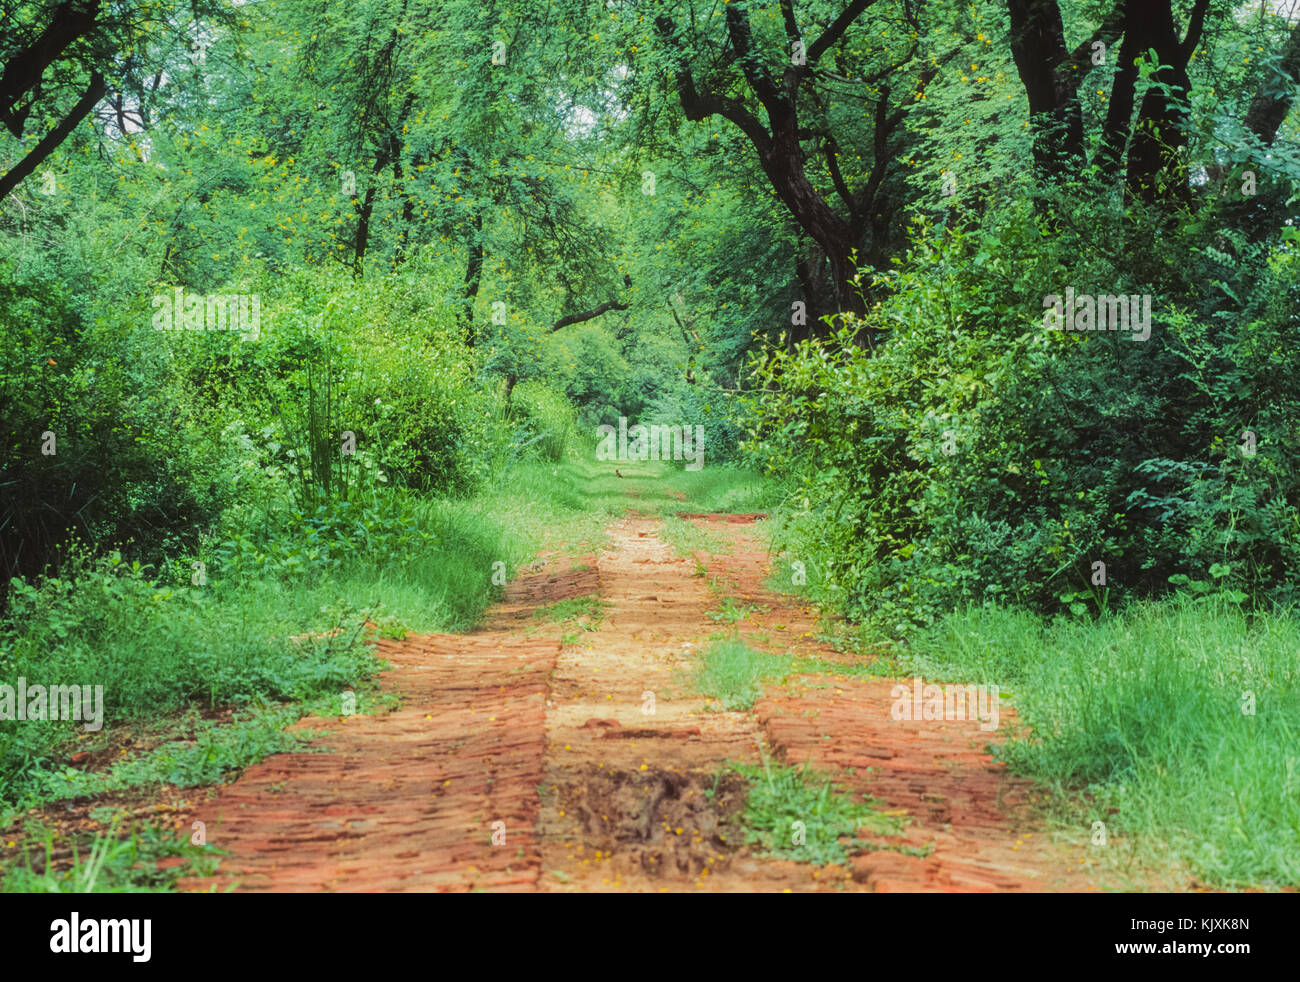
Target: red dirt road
594,765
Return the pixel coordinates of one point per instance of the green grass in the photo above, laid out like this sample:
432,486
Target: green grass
585,612
112,862
856,670
1137,721
729,610
801,578
203,754
561,506
158,650
446,585
732,673
793,813
661,489
279,618
687,538
734,490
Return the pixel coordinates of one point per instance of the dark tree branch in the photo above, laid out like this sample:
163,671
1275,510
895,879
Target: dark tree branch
1073,68
1038,47
831,151
587,315
791,25
71,21
1194,29
885,124
780,152
1268,110
75,115
755,71
700,106
837,29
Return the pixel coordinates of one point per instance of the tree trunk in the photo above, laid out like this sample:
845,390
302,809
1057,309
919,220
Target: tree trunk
473,276
1055,116
783,163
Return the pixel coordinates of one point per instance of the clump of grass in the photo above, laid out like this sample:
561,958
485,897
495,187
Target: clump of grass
720,489
1176,724
732,673
793,813
213,753
687,538
664,488
113,862
729,610
586,612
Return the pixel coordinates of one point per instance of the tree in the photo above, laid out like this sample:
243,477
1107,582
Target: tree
1146,148
796,100
61,57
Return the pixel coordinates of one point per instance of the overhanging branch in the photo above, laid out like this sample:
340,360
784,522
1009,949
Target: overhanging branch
587,315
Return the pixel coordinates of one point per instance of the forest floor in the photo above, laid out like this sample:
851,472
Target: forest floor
563,747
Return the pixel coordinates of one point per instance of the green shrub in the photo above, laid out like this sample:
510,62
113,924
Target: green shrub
380,360
114,467
974,455
546,421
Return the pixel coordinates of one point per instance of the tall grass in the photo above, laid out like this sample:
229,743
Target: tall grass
547,420
720,488
662,488
1176,724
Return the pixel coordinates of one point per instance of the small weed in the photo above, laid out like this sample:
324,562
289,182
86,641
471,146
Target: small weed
730,612
732,673
687,538
108,863
587,611
794,814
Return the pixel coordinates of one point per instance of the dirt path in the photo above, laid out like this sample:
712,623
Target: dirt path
594,767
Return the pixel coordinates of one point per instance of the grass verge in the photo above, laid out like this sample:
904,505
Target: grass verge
1175,725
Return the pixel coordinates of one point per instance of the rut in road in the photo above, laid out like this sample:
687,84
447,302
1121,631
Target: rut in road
594,767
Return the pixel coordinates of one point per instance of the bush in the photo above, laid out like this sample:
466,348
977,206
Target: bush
703,405
382,360
546,421
976,456
87,443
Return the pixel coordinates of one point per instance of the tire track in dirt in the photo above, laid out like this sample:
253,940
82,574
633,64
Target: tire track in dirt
600,761
622,807
625,806
974,815
406,801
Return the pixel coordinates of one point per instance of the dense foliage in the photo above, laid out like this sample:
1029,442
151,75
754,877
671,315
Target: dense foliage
975,456
309,308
